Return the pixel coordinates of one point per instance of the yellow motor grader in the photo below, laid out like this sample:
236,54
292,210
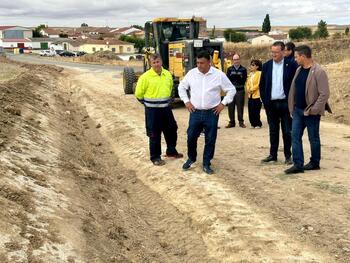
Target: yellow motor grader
177,41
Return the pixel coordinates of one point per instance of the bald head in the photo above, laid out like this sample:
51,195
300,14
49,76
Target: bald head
236,60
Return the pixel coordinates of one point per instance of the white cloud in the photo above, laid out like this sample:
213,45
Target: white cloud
221,13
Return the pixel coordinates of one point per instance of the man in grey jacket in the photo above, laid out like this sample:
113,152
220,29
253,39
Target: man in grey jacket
307,101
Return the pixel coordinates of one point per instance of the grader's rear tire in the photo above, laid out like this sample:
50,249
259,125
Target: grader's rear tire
128,80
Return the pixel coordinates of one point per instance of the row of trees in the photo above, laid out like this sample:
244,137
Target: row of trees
139,42
297,34
234,36
301,32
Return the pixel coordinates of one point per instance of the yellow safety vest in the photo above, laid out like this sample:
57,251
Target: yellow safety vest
155,90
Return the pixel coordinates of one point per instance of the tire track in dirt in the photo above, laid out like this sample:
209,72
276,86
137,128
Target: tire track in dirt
152,228
171,227
233,230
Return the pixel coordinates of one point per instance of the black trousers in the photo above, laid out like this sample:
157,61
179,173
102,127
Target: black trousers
254,108
160,120
278,114
238,101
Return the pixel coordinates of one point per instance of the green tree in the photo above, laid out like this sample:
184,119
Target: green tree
37,31
63,35
212,34
300,33
322,31
266,26
347,31
138,27
139,42
84,25
234,36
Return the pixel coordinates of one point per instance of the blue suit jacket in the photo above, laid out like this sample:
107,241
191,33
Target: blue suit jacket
289,68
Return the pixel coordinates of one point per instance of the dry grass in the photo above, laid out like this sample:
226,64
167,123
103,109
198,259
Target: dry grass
339,79
324,51
333,54
9,71
110,61
90,59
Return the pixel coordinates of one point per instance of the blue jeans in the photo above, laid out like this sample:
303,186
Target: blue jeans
199,120
312,123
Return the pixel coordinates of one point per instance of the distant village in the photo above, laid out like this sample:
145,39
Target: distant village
88,39
85,39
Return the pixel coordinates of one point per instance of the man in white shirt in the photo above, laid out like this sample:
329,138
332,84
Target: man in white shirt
276,77
204,84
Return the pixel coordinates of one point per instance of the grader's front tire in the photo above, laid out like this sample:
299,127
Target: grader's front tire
128,80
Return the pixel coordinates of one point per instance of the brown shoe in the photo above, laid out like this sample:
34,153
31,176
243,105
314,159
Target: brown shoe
230,125
176,156
242,125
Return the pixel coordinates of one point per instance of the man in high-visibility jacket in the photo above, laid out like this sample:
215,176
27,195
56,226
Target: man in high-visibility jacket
154,89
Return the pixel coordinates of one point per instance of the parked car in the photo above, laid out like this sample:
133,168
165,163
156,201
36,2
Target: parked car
67,54
80,53
46,53
59,51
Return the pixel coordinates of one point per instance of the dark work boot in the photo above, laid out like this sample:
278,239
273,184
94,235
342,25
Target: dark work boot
311,166
268,159
294,170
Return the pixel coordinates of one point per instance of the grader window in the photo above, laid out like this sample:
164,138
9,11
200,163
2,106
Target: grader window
173,32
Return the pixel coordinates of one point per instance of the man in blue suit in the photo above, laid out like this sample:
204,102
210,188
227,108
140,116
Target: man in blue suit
276,78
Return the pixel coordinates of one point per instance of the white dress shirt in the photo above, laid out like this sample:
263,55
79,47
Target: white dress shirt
205,89
277,91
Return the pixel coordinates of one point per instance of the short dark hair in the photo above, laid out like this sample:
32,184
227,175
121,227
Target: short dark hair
291,47
155,56
203,54
304,50
279,44
256,62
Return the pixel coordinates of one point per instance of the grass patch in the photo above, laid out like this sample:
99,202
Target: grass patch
284,176
336,189
9,71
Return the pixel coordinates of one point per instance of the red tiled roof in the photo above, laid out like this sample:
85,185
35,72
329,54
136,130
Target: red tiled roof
15,40
102,42
120,30
5,27
51,31
123,29
279,37
100,30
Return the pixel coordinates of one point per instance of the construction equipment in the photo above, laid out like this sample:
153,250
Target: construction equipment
177,41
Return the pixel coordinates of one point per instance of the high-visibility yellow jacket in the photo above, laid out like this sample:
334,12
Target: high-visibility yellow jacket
155,90
252,85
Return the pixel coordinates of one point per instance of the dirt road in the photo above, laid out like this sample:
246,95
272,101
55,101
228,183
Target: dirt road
76,184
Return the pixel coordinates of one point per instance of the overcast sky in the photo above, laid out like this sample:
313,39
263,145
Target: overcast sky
221,13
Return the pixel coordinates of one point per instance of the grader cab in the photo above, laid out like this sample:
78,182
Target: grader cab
177,41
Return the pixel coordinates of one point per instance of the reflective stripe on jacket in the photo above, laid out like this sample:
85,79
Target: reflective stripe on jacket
155,90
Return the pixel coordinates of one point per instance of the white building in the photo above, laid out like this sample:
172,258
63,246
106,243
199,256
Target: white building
262,40
128,31
50,32
268,39
15,37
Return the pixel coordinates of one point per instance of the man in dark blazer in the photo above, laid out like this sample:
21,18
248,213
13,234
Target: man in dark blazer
276,78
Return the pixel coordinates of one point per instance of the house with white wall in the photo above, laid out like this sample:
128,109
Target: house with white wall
15,37
50,32
268,39
128,31
113,45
